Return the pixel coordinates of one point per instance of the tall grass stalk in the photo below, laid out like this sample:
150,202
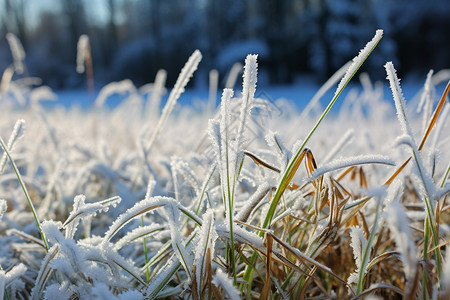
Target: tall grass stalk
186,73
25,191
367,250
291,169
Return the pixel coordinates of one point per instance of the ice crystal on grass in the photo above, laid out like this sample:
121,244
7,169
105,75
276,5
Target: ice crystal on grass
358,243
358,60
17,52
16,135
399,225
222,280
3,207
351,161
11,277
81,210
83,43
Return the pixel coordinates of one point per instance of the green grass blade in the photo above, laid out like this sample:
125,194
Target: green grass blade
25,191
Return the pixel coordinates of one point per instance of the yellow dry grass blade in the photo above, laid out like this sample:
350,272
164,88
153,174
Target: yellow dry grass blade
306,283
414,287
261,162
379,286
393,176
435,115
381,258
266,289
362,178
348,170
354,210
194,291
305,259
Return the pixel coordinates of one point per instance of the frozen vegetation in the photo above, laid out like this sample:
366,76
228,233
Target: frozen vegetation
253,199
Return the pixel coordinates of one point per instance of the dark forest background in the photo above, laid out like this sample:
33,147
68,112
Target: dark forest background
134,38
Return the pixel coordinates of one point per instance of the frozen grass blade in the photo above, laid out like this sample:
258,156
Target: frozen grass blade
44,272
84,58
351,161
82,210
186,73
120,87
17,133
141,208
17,52
427,181
7,278
140,233
222,280
154,101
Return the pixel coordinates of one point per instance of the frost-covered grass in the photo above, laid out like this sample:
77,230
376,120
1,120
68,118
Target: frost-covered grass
254,200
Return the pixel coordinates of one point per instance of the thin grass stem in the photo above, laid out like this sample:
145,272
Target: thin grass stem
25,191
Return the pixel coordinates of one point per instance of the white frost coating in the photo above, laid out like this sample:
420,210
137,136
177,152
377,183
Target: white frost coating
184,252
274,141
42,93
138,234
252,202
399,226
400,106
350,161
160,280
126,264
358,60
16,135
318,95
221,279
82,47
120,87
358,243
403,140
7,278
3,208
186,73
439,125
150,187
44,272
348,136
17,52
442,192
81,211
250,78
207,240
138,209
240,235
446,271
182,168
426,100
399,100
226,157
232,76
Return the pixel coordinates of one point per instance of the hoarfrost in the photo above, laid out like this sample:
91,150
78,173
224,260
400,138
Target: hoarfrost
359,59
221,279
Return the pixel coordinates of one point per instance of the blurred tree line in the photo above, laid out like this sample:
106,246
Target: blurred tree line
134,38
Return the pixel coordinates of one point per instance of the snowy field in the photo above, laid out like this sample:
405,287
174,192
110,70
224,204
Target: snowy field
339,191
